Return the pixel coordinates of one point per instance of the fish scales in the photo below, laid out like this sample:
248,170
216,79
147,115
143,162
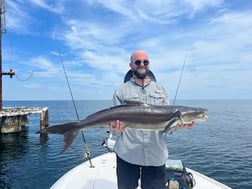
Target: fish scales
130,113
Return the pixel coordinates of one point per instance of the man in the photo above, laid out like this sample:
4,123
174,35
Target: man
140,153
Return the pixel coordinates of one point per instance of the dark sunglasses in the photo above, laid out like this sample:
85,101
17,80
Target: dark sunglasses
145,62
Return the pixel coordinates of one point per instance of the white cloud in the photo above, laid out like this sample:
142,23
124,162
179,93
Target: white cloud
216,40
198,5
33,85
15,15
52,6
45,68
162,11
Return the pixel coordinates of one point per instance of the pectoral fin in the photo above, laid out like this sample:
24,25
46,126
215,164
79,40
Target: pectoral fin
176,118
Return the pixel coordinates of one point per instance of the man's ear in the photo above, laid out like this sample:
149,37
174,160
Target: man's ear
130,64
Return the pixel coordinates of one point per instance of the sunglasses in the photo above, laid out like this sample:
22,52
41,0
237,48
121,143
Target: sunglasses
145,62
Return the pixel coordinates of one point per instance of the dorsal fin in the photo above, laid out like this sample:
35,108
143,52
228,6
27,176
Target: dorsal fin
134,102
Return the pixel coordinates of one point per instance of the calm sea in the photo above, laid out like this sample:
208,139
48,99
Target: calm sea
220,148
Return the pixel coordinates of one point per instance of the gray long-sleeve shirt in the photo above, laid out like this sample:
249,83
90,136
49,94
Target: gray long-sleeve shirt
141,147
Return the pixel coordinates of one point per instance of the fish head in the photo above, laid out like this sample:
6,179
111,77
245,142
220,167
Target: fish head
193,115
185,115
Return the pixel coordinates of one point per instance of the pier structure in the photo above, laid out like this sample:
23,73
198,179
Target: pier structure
13,119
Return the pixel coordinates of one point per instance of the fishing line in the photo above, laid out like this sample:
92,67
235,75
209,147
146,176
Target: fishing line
69,87
179,81
87,153
182,70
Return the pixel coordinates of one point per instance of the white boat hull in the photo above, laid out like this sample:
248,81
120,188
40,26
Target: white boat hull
103,176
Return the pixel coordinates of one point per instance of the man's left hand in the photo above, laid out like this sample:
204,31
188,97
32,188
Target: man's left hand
184,126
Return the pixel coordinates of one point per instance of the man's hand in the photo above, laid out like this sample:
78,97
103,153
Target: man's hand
117,126
184,126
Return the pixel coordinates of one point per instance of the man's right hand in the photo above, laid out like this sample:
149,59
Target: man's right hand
117,126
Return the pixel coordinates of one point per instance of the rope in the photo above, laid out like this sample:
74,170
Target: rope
11,57
29,77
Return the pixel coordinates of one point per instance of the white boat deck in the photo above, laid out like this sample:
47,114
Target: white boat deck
103,176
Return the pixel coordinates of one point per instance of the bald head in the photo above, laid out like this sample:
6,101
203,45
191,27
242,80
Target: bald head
138,53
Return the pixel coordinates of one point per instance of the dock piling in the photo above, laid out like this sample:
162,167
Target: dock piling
11,118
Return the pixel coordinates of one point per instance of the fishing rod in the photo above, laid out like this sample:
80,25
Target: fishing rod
87,153
179,81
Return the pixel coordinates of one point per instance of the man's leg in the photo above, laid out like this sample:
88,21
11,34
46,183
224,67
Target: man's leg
127,174
153,177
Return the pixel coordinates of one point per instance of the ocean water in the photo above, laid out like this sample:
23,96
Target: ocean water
220,148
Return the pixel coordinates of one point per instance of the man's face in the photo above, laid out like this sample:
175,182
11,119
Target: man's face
140,65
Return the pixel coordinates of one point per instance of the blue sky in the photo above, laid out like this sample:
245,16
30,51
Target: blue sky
96,38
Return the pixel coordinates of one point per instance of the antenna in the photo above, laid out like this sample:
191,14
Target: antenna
3,30
3,17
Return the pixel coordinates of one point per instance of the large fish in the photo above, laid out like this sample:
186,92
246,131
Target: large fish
135,115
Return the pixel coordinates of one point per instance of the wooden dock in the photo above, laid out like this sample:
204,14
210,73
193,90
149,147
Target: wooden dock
12,119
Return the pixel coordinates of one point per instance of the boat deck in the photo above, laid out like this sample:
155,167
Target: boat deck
103,176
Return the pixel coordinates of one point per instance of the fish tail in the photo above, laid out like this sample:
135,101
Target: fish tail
69,130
